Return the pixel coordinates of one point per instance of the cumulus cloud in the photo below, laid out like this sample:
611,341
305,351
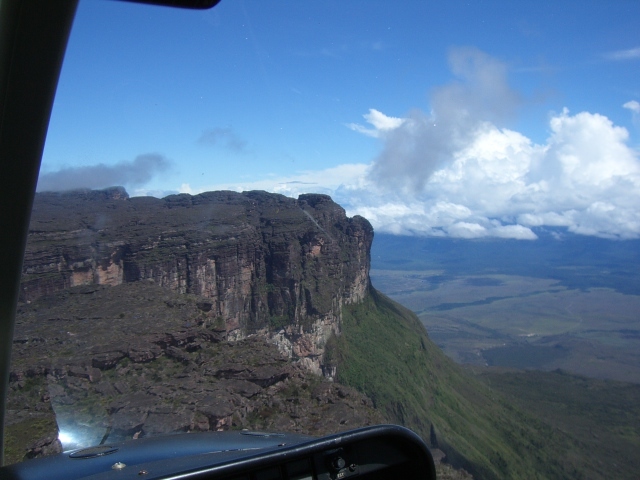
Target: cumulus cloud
633,105
422,143
127,173
498,183
456,171
223,136
628,54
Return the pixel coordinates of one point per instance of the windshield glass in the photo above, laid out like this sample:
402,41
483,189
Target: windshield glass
491,146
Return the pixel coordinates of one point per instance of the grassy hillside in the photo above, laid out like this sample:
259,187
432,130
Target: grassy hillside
604,415
384,351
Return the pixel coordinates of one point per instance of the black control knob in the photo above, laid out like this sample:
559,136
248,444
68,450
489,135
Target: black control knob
337,463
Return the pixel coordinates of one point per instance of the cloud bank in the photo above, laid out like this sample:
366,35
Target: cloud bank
342,178
457,171
127,173
498,183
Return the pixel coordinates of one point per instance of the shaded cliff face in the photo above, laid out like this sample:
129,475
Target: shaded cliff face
269,264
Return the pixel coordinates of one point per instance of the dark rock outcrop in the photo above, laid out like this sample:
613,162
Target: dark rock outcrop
262,263
137,359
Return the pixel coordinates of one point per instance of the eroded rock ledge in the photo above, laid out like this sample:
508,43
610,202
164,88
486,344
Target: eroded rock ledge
137,359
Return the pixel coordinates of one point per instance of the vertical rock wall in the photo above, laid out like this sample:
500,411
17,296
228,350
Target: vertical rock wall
271,265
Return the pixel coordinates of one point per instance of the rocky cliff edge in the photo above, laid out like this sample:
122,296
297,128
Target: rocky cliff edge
267,264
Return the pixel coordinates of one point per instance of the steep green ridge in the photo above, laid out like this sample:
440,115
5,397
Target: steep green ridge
384,351
604,415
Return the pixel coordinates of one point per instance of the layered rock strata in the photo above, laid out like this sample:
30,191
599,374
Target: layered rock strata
266,264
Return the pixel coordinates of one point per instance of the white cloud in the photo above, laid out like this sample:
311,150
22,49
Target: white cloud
628,54
456,172
500,184
632,105
381,124
340,178
514,231
424,143
587,149
549,219
381,121
186,188
464,176
467,230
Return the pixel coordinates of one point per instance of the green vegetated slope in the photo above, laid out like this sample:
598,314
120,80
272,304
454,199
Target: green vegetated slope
604,416
384,351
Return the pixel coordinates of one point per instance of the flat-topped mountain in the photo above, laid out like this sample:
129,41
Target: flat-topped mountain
144,316
267,263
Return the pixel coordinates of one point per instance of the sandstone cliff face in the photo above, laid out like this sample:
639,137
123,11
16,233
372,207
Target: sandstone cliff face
270,265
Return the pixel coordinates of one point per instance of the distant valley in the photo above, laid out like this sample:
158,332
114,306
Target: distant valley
570,303
553,325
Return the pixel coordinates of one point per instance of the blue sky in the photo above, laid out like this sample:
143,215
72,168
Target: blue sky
463,119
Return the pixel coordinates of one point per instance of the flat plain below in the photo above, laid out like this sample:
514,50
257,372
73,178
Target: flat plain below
523,322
